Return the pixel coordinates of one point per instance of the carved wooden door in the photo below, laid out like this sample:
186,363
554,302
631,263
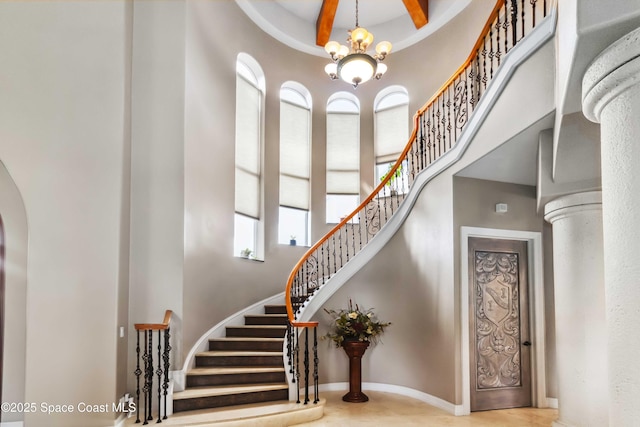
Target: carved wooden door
499,324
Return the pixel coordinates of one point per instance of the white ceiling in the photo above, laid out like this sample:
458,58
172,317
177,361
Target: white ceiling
293,22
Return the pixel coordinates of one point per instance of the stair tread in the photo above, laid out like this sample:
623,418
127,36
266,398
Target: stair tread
234,370
256,339
259,326
214,353
196,392
267,315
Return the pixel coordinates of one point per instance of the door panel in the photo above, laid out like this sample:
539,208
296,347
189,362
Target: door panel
500,361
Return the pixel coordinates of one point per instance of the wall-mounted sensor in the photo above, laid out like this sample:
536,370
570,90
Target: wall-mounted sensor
501,207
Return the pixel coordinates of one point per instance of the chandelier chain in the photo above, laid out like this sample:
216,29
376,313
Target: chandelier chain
357,23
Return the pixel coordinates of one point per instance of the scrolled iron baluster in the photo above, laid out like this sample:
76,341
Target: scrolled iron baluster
533,13
514,22
145,388
165,356
137,373
522,23
306,365
316,389
297,363
159,374
150,374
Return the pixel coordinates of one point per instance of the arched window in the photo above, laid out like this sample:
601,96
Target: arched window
250,88
391,125
295,163
343,155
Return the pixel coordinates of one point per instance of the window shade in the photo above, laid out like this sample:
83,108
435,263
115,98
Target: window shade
343,153
391,132
247,188
295,165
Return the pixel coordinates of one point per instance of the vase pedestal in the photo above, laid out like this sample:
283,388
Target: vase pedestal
355,350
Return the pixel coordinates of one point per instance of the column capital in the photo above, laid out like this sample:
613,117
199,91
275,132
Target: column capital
572,204
612,72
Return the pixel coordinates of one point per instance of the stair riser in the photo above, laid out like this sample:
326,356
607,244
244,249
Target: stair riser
275,309
205,361
245,346
181,405
265,320
233,331
230,379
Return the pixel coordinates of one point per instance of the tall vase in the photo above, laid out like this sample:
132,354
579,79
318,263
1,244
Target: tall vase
355,350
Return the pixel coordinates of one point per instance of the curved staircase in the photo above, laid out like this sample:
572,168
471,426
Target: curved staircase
244,367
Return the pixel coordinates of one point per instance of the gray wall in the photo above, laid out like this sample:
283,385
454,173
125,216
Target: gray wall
63,140
216,283
474,206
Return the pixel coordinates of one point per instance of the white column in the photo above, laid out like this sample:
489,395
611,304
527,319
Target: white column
581,333
611,96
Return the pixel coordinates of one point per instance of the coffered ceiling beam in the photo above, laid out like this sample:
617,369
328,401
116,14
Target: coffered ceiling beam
418,9
324,24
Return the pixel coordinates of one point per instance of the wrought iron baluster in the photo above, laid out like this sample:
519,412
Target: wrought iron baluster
498,25
522,20
145,389
306,365
159,373
165,357
514,22
316,389
533,13
491,53
150,367
137,373
297,363
505,26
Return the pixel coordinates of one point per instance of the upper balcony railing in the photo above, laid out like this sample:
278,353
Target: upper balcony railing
437,127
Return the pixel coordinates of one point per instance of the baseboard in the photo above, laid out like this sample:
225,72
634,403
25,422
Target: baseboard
119,422
552,402
12,424
401,390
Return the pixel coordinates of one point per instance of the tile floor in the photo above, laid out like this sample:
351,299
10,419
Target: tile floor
386,409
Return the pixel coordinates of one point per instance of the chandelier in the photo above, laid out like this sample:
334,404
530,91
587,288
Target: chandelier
354,65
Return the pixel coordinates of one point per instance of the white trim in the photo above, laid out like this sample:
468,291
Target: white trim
552,402
119,422
12,424
401,390
219,331
536,309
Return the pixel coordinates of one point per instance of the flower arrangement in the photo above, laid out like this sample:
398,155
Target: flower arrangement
354,324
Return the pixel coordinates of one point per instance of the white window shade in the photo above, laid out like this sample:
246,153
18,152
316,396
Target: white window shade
295,167
247,188
391,132
343,153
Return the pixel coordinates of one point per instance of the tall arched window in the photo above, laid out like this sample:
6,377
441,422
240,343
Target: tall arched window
391,124
250,88
295,163
343,155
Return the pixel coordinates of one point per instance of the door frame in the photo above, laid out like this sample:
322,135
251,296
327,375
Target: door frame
536,309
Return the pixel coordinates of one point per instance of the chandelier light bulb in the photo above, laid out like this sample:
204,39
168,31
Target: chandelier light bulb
383,48
332,70
343,51
332,47
359,34
368,40
380,70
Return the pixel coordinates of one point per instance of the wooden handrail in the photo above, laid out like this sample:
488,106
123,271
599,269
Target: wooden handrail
155,326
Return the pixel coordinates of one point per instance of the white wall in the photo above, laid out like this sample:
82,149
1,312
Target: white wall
14,222
157,171
62,139
216,283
